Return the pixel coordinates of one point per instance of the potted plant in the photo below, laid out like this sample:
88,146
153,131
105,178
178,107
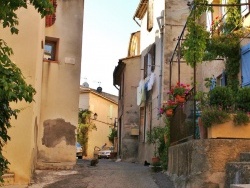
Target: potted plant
222,97
179,91
168,108
155,136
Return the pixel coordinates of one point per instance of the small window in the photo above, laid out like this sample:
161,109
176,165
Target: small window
51,49
244,8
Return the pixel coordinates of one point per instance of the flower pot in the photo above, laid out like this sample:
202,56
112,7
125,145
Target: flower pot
169,112
155,160
180,98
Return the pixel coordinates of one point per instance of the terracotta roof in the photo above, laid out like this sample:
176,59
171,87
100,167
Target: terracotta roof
141,9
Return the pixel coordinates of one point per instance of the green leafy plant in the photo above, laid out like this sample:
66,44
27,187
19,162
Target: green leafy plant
212,115
84,126
243,99
160,138
222,97
241,118
112,135
179,89
201,45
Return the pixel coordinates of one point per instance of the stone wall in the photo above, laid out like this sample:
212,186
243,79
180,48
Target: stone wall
202,163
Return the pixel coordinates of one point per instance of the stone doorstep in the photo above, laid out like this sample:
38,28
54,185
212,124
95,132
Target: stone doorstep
245,157
55,165
240,186
8,178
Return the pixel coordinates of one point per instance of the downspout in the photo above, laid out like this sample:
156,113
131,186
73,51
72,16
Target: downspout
161,26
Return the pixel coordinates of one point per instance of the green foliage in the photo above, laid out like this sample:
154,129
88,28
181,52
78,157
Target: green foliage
160,137
222,97
243,99
241,118
212,115
194,45
233,18
112,135
8,8
84,126
200,45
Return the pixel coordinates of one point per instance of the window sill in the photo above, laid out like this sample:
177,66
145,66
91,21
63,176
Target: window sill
50,61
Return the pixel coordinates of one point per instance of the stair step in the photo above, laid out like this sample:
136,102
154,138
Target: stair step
237,173
245,157
240,186
8,178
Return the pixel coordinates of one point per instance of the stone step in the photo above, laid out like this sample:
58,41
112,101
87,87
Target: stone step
245,157
240,186
9,179
45,165
237,173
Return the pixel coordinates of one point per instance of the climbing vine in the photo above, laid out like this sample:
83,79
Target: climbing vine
201,45
84,126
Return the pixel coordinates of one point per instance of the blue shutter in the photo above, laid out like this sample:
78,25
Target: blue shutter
245,65
223,79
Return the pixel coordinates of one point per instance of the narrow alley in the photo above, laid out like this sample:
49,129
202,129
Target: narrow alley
106,173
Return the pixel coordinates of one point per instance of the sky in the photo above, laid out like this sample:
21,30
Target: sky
107,27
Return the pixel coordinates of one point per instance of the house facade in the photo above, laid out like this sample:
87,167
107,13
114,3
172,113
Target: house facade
128,111
48,52
166,20
105,107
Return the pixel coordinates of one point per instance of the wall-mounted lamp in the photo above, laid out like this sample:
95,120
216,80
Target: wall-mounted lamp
160,21
95,116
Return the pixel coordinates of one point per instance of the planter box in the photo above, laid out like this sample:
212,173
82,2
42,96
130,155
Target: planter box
229,130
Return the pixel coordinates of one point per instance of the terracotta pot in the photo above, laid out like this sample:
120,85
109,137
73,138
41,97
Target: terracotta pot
180,99
169,112
155,160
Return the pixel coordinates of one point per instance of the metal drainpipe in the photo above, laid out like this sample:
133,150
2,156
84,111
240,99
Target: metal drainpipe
161,63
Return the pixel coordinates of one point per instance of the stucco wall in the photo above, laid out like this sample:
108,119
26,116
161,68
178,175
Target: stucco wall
60,88
202,163
175,18
21,149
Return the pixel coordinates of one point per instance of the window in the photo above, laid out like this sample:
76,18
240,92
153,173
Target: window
244,8
51,49
149,61
245,65
221,79
216,17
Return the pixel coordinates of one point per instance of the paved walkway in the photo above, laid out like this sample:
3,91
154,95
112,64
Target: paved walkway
106,174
